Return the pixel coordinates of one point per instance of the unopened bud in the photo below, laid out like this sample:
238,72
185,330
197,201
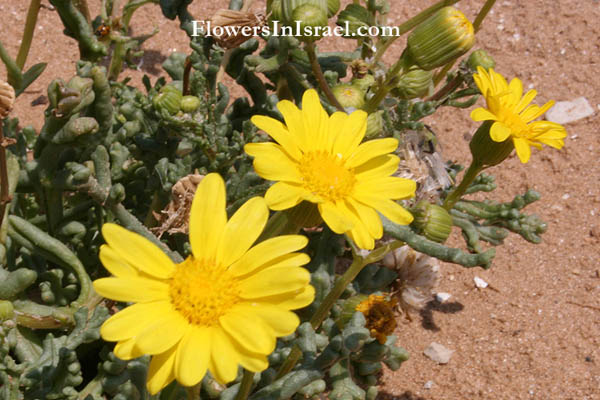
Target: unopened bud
413,84
374,124
441,38
487,152
480,58
169,99
349,95
189,104
432,221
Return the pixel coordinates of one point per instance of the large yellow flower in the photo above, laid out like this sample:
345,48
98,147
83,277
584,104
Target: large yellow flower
509,108
223,306
320,158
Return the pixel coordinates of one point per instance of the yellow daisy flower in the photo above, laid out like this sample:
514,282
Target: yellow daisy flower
509,108
320,158
223,306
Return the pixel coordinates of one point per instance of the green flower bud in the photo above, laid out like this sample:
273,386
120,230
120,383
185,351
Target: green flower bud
487,152
274,9
413,84
354,16
432,221
374,124
7,311
169,99
333,6
441,38
480,58
364,83
311,18
349,95
189,104
288,7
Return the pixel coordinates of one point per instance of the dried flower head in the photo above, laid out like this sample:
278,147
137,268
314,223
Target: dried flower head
418,274
7,99
379,313
175,217
233,24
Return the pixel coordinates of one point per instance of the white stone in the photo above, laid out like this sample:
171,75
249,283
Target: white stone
480,283
428,385
564,112
442,297
438,353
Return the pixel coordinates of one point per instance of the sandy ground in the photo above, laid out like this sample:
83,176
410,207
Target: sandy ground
534,333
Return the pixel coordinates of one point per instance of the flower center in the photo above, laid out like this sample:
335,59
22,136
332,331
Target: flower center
326,176
202,291
511,119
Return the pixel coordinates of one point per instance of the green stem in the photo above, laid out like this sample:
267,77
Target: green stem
476,26
245,386
14,76
472,172
5,197
411,23
316,67
384,88
32,14
358,263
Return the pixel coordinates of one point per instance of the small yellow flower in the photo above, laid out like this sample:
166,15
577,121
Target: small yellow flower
509,108
223,306
320,158
379,313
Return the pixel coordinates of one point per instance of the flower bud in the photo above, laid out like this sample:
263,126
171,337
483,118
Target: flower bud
169,99
487,152
355,16
432,221
311,17
274,10
441,38
333,6
289,6
413,84
7,99
374,124
480,58
349,95
189,104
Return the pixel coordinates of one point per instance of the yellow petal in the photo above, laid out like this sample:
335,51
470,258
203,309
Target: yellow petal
126,350
115,264
137,290
361,238
267,252
335,218
132,320
516,89
350,134
371,149
293,120
523,149
281,322
532,112
273,281
138,251
170,328
528,98
224,358
250,333
193,355
283,195
279,133
160,371
378,167
208,217
244,227
370,220
254,362
291,300
389,187
499,132
272,163
315,120
481,114
392,210
335,129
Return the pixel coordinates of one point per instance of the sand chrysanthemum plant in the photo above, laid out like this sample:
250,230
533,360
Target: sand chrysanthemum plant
514,116
222,307
320,159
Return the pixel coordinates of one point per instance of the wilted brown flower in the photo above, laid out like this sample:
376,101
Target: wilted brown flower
379,313
233,23
7,98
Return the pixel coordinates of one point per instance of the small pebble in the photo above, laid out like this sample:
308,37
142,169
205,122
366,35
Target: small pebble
442,297
428,385
480,283
438,353
564,112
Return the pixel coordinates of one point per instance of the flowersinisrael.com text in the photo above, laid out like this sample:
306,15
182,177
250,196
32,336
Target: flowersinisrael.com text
205,27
